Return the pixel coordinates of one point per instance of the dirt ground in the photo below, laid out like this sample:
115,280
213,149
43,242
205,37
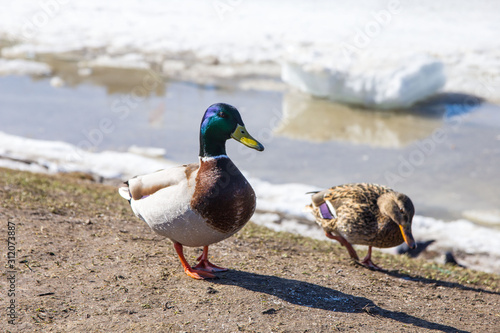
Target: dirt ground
85,263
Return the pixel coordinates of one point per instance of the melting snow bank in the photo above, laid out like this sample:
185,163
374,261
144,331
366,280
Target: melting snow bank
23,67
381,83
279,207
214,36
55,156
477,246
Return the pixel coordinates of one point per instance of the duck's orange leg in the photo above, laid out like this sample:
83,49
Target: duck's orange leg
205,265
345,243
195,274
367,261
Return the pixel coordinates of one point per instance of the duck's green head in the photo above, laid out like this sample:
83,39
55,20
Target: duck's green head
220,123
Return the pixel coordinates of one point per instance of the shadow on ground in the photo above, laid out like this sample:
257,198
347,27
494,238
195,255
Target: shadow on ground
315,296
437,283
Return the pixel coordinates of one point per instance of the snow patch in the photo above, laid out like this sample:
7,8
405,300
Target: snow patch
128,61
486,217
23,67
57,156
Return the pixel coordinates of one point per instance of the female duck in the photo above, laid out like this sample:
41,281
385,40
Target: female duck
201,203
365,214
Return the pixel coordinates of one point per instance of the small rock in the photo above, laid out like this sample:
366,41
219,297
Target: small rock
211,290
270,311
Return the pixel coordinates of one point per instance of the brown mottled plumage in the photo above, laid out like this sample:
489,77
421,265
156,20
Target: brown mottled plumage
364,214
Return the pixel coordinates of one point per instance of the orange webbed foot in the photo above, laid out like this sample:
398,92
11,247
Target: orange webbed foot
198,274
191,271
205,265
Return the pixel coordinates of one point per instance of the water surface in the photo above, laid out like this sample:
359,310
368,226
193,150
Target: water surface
444,154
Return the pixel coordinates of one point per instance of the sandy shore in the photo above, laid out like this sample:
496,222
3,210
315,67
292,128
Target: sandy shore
85,263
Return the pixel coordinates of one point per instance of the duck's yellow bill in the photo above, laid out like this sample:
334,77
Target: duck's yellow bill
408,237
240,134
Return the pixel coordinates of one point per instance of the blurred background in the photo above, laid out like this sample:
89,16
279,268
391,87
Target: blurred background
390,92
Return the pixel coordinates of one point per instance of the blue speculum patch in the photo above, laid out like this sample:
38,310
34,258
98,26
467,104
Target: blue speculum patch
325,212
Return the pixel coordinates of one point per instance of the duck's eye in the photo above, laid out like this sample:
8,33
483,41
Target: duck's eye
222,115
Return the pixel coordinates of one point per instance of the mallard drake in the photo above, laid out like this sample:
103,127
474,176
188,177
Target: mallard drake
201,203
364,214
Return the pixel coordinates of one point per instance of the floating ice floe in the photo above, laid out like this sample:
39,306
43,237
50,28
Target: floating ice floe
374,82
130,61
23,67
147,151
57,82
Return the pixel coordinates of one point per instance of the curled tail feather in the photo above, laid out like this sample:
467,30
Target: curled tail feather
125,193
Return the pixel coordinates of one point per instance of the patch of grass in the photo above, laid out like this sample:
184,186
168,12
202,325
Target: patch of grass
64,194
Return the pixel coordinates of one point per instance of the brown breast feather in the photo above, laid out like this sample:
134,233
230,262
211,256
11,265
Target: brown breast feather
223,196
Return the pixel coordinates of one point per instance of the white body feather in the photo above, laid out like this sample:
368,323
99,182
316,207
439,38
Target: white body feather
168,210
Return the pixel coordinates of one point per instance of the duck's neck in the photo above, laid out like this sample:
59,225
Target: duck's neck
212,148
